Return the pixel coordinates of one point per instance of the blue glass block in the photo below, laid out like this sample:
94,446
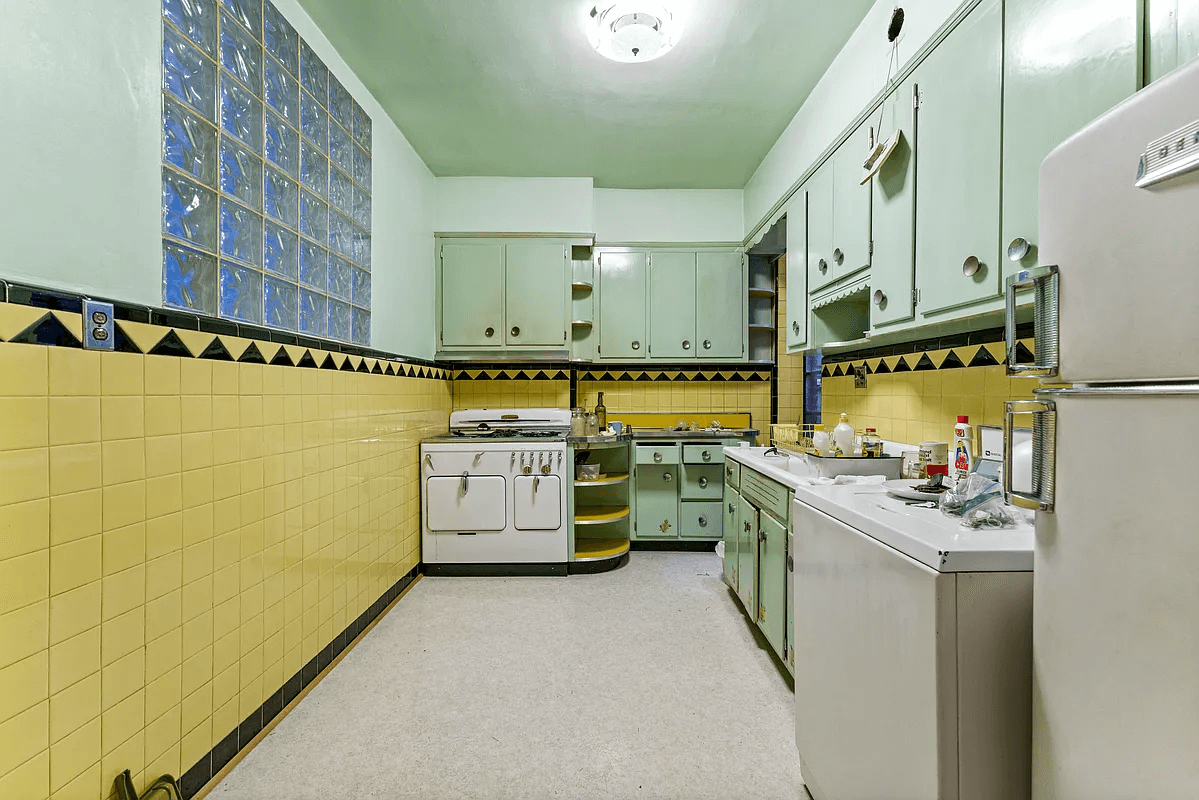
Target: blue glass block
196,19
187,74
341,148
282,304
314,170
280,39
362,208
314,122
241,293
248,13
314,262
241,113
241,233
280,197
362,127
362,326
241,174
339,321
340,277
362,167
241,54
189,210
341,233
314,76
341,191
282,145
362,248
362,288
188,279
341,105
280,251
188,142
314,218
313,311
281,91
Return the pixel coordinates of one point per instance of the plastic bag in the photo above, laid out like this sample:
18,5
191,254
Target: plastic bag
720,549
978,500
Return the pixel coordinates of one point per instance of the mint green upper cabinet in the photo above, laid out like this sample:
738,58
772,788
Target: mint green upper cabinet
471,295
720,298
851,206
621,286
958,164
797,271
1172,35
671,304
893,222
535,295
1065,62
821,271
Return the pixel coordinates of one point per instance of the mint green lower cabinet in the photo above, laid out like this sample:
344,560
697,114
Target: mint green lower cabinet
732,502
790,601
471,295
747,555
720,292
671,304
958,164
657,501
701,482
772,582
621,283
700,520
797,272
893,220
535,291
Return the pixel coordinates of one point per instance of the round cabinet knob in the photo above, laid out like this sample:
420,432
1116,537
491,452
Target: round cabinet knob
838,256
636,345
657,457
706,456
666,476
707,344
971,266
823,265
731,509
686,344
515,331
1018,249
703,483
747,527
795,326
489,332
879,297
703,521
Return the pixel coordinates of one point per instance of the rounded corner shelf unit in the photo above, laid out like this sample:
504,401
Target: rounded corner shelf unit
600,515
610,479
755,327
581,323
761,292
581,286
601,549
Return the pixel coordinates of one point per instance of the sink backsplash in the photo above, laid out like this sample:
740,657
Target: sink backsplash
663,419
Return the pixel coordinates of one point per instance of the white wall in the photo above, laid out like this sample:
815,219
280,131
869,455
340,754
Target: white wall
82,122
857,73
514,205
668,215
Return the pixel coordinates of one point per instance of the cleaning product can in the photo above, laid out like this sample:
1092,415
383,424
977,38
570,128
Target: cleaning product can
963,447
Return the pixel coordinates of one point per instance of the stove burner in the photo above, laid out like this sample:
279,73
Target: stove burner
486,432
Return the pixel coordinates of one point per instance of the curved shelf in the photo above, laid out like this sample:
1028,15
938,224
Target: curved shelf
600,549
581,286
761,292
610,479
600,515
754,327
581,323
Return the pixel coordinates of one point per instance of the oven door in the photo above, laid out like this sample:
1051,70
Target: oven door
466,503
538,505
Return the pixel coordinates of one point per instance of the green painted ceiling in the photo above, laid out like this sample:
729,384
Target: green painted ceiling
512,87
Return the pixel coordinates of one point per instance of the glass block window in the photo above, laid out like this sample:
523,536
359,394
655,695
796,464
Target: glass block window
266,175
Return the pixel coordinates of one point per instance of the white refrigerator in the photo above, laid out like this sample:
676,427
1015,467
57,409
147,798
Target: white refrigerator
1116,454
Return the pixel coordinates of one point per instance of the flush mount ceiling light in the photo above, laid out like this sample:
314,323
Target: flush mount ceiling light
632,31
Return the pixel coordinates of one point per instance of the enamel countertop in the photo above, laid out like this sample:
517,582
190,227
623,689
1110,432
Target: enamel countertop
923,534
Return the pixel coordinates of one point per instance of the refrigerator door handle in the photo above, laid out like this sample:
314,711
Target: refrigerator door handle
1044,456
1044,283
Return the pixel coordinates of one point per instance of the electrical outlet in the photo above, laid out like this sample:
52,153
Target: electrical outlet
99,330
859,377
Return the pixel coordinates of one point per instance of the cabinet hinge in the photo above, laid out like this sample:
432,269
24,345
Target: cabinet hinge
917,97
599,348
871,253
915,296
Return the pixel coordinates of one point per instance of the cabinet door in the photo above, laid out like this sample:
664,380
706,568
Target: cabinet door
732,502
471,295
1172,35
772,581
957,165
622,306
797,271
747,556
851,206
535,287
1055,81
657,501
720,293
821,270
893,217
672,305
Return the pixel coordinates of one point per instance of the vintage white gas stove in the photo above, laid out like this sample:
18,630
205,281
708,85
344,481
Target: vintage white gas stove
494,493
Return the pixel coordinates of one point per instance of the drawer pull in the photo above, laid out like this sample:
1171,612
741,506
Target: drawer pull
657,457
706,456
489,332
666,476
703,482
703,521
731,509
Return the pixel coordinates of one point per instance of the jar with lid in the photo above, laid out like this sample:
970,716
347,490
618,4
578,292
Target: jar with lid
872,444
578,422
592,424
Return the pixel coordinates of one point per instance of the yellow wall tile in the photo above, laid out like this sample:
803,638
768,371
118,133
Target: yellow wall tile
162,375
74,754
72,468
26,371
122,417
24,684
24,632
124,504
123,592
24,736
163,415
84,787
25,580
123,460
30,780
74,420
24,528
74,612
122,374
74,564
74,707
124,720
75,516
163,455
24,475
24,422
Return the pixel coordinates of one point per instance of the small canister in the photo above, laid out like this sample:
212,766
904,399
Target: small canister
593,424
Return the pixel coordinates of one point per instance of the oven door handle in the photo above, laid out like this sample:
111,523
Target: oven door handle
465,482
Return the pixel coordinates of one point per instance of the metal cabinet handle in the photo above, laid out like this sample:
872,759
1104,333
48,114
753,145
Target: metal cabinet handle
706,456
1044,453
703,521
686,344
465,482
1044,283
731,509
761,536
515,331
728,472
636,345
838,256
428,461
707,344
1018,248
971,266
703,483
795,326
747,526
657,457
489,332
823,265
666,476
879,297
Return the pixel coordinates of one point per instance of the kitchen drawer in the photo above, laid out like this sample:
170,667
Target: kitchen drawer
701,482
766,494
703,453
732,473
701,520
657,454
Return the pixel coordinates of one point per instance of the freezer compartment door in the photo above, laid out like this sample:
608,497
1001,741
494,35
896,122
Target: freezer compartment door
538,502
1116,612
1126,254
466,503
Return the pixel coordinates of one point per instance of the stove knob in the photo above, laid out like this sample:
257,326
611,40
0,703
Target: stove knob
545,470
527,469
